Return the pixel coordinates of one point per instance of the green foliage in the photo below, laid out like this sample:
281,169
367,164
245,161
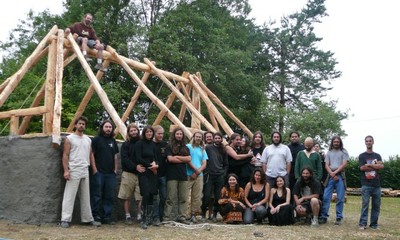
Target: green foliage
390,177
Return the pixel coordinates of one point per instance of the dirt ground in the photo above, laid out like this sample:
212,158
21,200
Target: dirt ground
389,229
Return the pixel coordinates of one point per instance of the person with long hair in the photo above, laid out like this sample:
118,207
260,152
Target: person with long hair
248,167
256,195
217,167
306,193
178,155
336,162
194,172
232,200
130,170
145,151
236,159
280,212
105,168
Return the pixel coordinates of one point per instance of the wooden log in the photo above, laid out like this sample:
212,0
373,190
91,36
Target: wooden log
56,137
150,94
85,100
212,109
222,106
24,112
202,119
25,121
49,88
25,67
99,90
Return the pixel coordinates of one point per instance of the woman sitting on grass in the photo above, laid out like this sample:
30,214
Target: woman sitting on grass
280,212
231,200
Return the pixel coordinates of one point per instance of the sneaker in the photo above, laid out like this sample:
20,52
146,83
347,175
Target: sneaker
128,221
87,58
94,224
374,227
100,67
314,222
322,220
361,227
64,224
338,221
139,217
193,219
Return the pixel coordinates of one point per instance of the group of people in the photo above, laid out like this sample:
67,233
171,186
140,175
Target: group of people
245,181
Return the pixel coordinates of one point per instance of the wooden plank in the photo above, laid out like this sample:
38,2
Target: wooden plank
14,121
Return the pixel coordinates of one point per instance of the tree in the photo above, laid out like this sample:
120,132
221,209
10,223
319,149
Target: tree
298,74
204,36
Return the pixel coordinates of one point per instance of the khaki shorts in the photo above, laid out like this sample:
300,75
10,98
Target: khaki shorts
129,186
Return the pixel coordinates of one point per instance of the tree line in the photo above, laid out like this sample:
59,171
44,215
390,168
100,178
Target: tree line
272,76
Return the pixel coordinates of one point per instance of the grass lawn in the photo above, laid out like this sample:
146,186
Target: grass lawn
389,228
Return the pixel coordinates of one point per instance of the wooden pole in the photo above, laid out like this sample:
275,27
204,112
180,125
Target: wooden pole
168,104
58,90
194,111
196,103
24,112
150,94
49,88
99,90
14,121
183,107
25,67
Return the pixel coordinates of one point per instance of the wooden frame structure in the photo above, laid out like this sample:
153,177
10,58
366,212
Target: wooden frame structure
188,88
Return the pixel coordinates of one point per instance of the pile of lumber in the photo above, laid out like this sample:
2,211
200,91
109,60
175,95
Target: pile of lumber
386,192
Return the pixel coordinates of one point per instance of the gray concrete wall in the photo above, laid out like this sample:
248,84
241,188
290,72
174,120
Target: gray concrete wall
32,183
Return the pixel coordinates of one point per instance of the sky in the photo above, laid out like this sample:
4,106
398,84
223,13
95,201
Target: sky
362,35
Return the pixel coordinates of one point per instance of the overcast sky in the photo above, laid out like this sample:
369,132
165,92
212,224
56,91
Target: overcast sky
363,36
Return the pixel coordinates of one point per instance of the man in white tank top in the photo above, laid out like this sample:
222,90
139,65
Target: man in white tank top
76,159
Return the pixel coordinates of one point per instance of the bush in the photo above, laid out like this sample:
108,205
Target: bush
390,175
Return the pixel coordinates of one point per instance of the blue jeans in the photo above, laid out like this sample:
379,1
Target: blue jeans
340,191
103,190
158,206
375,194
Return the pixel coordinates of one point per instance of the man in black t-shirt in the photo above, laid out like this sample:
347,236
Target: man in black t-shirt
104,181
370,162
306,193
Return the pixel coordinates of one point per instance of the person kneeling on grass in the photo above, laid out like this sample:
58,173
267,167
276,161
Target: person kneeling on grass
306,193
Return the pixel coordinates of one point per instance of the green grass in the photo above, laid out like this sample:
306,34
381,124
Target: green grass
389,228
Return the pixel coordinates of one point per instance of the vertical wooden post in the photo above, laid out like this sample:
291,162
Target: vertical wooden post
58,92
49,88
14,122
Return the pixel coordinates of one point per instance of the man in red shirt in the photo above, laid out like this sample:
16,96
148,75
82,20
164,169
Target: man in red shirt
87,39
